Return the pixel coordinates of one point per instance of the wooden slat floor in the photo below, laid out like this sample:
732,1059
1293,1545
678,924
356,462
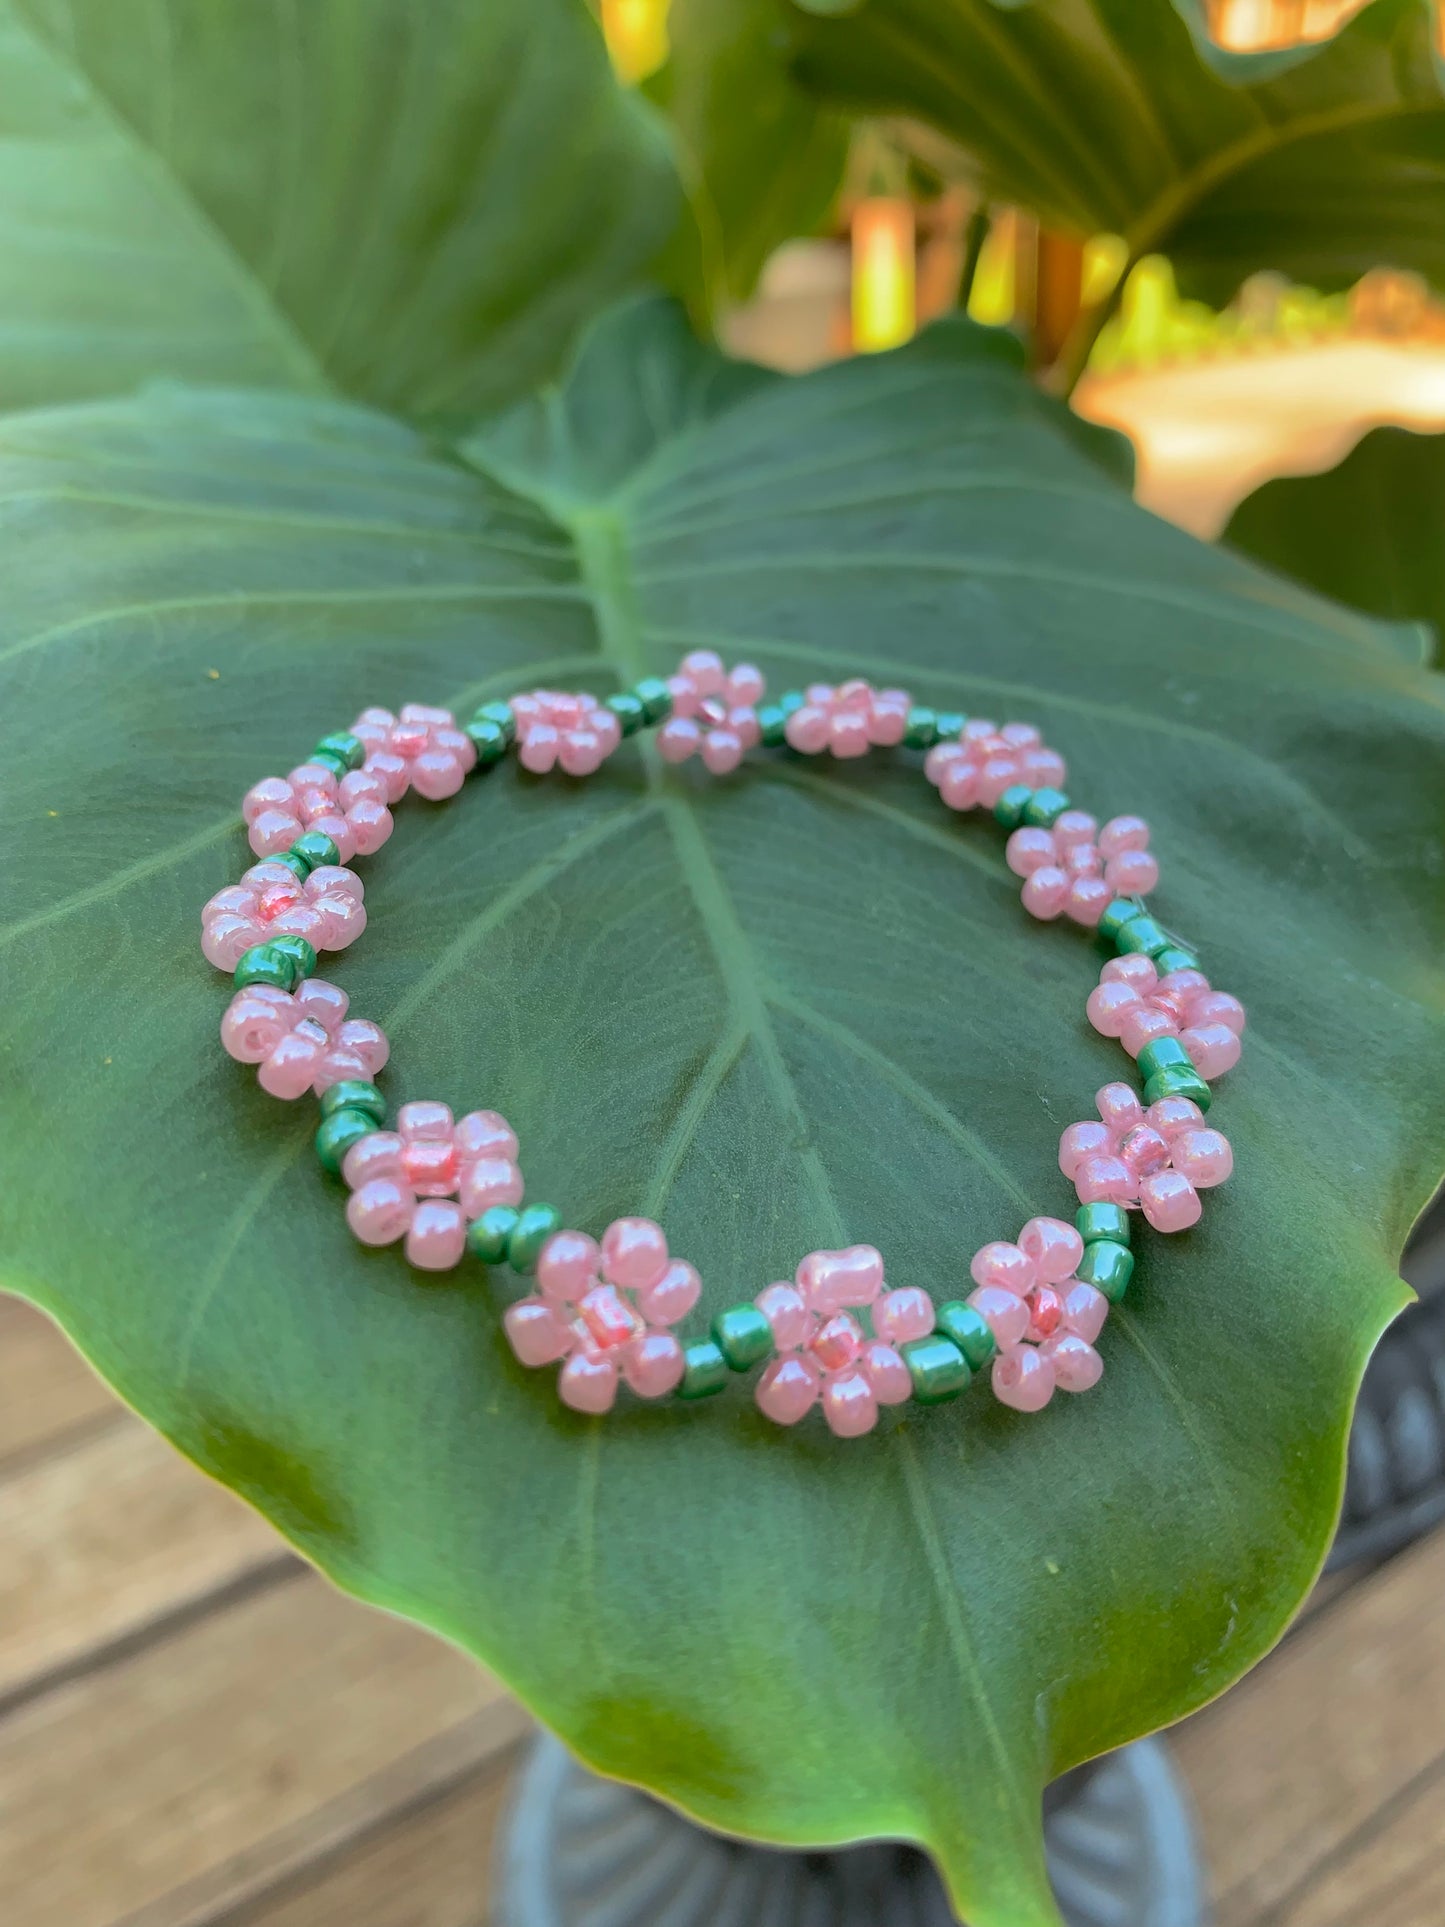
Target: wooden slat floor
195,1731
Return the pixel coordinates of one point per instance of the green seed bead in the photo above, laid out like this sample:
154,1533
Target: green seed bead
627,707
315,850
489,740
1010,807
499,713
297,949
743,1335
704,1370
1096,1221
342,743
921,729
324,759
1141,936
1117,914
337,1134
1175,959
772,725
353,1094
1106,1266
792,701
1163,1054
969,1331
950,724
1044,808
937,1367
1175,1082
489,1235
655,696
263,965
533,1228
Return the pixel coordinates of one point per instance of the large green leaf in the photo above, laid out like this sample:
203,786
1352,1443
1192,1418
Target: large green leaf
793,1008
1367,531
414,201
1104,116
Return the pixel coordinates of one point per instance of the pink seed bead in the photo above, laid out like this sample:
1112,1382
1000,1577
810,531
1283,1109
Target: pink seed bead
831,1280
1045,893
1104,1180
1077,1366
566,1265
1132,874
253,1026
425,1119
1170,1202
1081,860
340,832
339,1066
1138,972
886,1372
783,1307
1021,735
746,684
673,1296
807,729
887,723
904,1314
438,1235
580,752
1082,1141
1053,1247
1190,981
1203,1156
361,786
653,1364
1141,1024
1028,850
679,738
1085,1309
487,1182
306,920
429,1166
1074,826
1213,1048
837,1342
366,1041
537,751
324,1003
958,787
634,1253
1088,899
1023,1378
288,1071
536,1333
371,825
345,919
1143,1150
392,770
998,774
850,1405
745,726
483,1134
273,831
1003,1264
848,734
588,1383
1217,1007
437,774
1042,769
705,667
1004,1312
334,879
1109,1004
1123,833
609,1319
1119,1106
722,751
375,1156
380,1210
271,793
788,1389
1171,1115
941,759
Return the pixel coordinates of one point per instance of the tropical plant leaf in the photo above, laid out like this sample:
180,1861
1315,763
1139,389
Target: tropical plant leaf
1105,117
1366,532
793,1008
414,201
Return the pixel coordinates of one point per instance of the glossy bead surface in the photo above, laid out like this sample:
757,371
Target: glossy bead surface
1003,1264
353,1095
1169,1201
316,850
655,696
1044,808
937,1368
1116,918
1076,1366
1099,1221
743,1335
1053,1246
297,949
1023,1379
1175,1082
921,729
1164,1053
489,1236
969,1330
788,1388
348,749
1005,1314
627,707
1202,1156
1009,809
263,965
534,1226
338,1132
634,1253
1107,1265
903,1314
704,1369
850,1405
438,1235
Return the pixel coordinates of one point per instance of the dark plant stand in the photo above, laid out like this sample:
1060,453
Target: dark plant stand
579,1851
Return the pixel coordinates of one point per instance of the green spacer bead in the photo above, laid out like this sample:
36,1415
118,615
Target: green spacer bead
353,1094
969,1330
950,725
1117,914
1044,808
499,713
1010,807
297,949
324,759
792,701
655,696
489,1235
336,1135
263,965
1163,1054
1142,936
937,1367
489,740
743,1335
921,729
1176,1082
704,1370
627,707
1175,959
1096,1221
342,743
315,850
534,1226
772,725
1106,1266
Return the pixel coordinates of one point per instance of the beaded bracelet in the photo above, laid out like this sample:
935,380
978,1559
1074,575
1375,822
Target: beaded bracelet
605,1310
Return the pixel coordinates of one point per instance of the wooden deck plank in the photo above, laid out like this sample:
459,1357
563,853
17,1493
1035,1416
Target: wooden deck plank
1393,1877
182,1780
47,1390
1331,1730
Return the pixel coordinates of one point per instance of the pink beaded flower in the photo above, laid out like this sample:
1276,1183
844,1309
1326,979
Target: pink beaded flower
1077,869
1044,1320
986,760
428,1179
271,901
606,1310
849,720
352,813
421,749
559,730
1135,1004
823,1351
301,1040
1159,1159
714,712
